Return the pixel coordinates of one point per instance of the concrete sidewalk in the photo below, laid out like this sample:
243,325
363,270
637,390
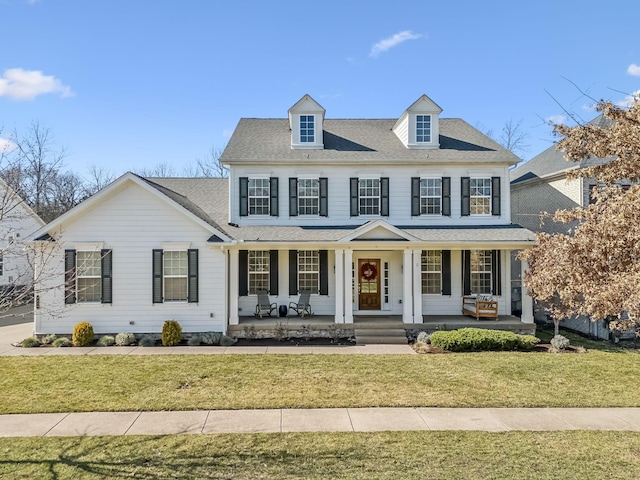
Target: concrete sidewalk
318,420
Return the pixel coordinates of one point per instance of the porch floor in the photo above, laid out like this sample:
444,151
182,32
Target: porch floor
430,322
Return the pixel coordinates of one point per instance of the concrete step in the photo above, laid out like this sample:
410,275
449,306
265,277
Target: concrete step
380,336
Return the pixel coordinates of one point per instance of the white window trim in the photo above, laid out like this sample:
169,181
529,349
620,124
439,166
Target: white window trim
439,197
261,272
372,215
78,276
489,270
471,197
317,179
249,196
424,270
316,272
165,275
424,142
307,115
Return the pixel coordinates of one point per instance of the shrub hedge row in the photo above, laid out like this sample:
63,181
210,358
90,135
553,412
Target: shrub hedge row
477,339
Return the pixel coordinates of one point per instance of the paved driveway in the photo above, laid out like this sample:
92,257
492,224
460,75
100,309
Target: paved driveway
16,324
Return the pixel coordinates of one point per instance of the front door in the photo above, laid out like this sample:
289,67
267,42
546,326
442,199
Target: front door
369,284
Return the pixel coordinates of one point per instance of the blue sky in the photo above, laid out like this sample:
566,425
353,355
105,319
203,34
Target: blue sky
128,84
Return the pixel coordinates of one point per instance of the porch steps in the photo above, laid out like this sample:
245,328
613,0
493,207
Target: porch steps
381,336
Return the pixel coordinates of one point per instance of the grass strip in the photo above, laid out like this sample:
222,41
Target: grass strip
383,455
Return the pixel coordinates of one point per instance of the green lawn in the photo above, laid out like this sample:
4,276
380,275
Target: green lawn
599,378
385,455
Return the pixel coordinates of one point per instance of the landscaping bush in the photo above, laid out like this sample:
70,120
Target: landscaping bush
125,338
477,339
226,341
424,337
559,342
30,342
82,334
171,333
147,341
106,341
211,338
194,341
61,342
49,339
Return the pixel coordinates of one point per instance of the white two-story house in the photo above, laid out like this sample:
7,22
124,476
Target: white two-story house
386,217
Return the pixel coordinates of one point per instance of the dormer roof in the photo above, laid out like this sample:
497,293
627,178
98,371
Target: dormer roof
306,105
419,125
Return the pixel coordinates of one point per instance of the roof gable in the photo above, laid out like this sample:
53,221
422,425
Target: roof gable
378,230
305,105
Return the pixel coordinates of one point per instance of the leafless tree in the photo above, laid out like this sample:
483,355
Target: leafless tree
211,166
98,178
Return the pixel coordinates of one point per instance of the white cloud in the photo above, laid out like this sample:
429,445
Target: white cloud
556,119
629,99
19,84
6,145
634,70
392,41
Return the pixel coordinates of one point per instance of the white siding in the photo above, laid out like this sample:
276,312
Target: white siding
399,194
132,224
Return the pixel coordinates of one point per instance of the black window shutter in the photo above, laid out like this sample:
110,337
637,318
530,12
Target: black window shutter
192,265
106,274
273,193
496,288
384,196
69,276
273,272
466,272
353,182
324,196
243,273
446,196
157,276
244,196
495,196
446,272
293,272
293,197
324,272
415,196
465,209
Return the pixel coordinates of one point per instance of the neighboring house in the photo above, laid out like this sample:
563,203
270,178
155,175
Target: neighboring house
539,186
17,222
396,217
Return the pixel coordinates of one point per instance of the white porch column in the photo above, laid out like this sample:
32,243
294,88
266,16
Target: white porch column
527,301
339,276
234,261
417,286
407,287
348,286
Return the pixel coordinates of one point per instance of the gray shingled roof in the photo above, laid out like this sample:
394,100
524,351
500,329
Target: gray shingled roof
360,141
211,196
552,161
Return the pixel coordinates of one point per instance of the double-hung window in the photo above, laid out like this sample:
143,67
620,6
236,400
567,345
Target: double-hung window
423,128
88,276
430,196
258,266
480,196
308,270
307,129
308,196
481,271
175,275
258,196
432,272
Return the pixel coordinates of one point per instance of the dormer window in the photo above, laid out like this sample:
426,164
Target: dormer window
423,128
307,129
306,119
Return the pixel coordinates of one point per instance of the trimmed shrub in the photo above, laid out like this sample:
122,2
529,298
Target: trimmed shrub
226,341
211,338
171,333
478,339
106,341
61,342
194,340
125,338
30,342
147,341
82,334
49,339
424,337
559,342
